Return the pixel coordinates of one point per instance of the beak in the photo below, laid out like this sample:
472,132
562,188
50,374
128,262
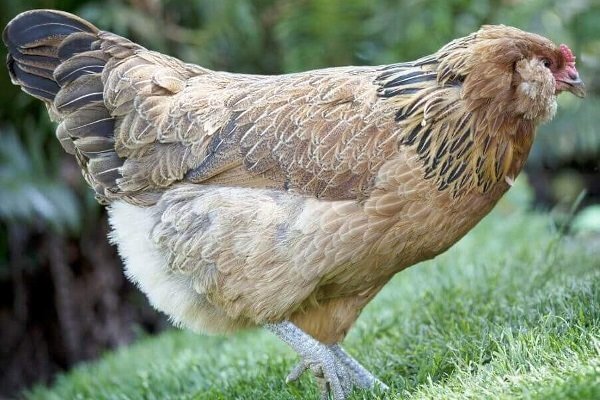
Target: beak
575,86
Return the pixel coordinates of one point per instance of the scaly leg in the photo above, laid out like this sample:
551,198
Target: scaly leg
338,370
315,356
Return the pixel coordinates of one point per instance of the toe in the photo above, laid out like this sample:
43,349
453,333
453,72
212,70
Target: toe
333,379
296,372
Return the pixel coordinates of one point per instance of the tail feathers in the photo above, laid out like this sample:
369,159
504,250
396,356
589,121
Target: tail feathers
57,57
78,43
33,80
34,40
90,62
71,65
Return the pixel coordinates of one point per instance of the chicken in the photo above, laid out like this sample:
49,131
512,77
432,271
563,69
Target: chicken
288,201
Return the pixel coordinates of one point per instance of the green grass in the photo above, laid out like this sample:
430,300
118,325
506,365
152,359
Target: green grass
511,312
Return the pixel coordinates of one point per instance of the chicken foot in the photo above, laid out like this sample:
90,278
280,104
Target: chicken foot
336,371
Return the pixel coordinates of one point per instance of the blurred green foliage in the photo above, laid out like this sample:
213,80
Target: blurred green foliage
26,190
278,36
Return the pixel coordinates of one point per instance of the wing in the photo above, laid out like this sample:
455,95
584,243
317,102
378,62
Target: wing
320,133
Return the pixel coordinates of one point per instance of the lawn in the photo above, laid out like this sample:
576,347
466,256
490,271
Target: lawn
510,312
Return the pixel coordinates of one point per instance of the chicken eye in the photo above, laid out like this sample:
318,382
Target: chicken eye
547,63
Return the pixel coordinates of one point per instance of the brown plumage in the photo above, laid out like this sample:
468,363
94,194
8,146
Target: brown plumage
240,200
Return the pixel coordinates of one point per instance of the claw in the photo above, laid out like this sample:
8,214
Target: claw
323,388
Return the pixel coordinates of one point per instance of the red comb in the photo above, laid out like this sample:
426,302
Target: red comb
567,53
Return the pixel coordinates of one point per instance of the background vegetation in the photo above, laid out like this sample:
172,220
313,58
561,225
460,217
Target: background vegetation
63,298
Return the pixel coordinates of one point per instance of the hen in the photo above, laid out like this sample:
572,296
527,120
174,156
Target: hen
288,201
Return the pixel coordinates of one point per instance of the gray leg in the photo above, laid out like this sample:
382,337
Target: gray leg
360,375
317,357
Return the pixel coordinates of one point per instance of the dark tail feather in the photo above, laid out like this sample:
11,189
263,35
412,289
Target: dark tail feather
56,57
35,44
